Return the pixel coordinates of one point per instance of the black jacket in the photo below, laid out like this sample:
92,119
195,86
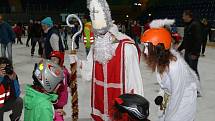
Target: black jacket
48,47
36,30
193,35
206,30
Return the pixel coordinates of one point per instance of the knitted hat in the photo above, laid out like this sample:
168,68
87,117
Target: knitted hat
47,21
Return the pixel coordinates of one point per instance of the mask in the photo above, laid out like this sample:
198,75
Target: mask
100,16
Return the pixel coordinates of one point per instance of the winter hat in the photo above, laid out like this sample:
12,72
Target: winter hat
47,21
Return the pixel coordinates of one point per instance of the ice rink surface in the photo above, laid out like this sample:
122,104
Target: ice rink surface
24,64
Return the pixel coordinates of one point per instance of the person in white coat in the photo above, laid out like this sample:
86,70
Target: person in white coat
178,82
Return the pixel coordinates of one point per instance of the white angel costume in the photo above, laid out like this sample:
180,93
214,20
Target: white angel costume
180,83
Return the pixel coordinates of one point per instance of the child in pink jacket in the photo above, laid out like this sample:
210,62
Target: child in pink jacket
58,57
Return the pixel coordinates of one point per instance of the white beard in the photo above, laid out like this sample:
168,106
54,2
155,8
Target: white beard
104,49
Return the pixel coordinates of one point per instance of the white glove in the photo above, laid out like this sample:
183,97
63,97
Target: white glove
73,58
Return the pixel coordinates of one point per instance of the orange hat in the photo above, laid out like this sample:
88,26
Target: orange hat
156,36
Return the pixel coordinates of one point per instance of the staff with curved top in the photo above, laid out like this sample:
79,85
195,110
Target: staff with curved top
70,25
73,68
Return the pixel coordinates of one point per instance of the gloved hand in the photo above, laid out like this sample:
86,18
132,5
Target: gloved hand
158,100
60,112
73,58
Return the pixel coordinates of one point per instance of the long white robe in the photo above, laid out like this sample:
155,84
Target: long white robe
133,79
181,83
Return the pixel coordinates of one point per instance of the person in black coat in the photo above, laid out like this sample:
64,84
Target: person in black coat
206,30
29,30
36,34
192,40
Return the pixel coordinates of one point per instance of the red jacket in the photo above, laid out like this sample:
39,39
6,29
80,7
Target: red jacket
62,92
4,95
17,30
136,30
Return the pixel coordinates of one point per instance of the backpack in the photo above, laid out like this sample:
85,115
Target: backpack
16,87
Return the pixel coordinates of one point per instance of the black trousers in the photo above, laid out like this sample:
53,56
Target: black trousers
16,107
204,42
193,63
28,39
33,44
19,40
65,44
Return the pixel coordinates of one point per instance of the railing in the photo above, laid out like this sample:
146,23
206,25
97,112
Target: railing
25,17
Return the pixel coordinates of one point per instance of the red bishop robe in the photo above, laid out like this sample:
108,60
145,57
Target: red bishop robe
108,83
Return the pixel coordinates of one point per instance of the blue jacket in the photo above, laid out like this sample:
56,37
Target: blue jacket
11,86
6,33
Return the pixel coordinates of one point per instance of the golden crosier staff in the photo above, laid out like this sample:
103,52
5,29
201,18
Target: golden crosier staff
73,67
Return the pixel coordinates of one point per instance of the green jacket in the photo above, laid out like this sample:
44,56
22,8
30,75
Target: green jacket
38,106
87,32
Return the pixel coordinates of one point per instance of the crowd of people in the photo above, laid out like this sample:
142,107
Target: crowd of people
112,65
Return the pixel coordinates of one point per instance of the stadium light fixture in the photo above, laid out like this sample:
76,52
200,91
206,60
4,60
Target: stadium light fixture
137,4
